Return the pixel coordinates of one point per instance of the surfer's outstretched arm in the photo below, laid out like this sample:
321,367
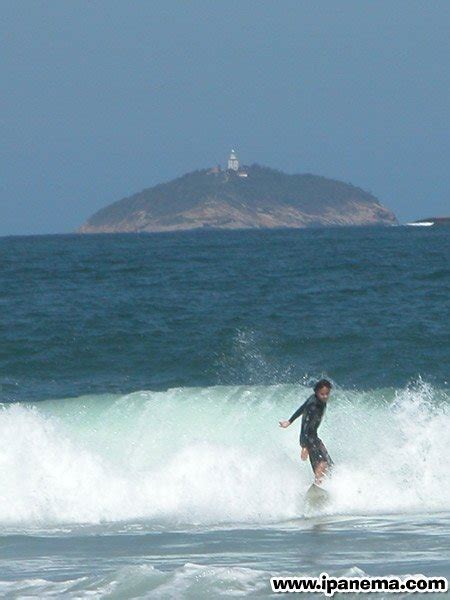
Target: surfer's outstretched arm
297,413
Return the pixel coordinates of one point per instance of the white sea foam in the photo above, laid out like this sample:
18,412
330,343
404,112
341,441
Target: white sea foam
189,581
144,581
217,455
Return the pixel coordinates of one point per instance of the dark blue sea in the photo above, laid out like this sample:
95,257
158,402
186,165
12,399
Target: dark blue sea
142,378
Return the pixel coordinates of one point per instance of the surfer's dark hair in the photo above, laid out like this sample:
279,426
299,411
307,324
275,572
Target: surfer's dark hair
322,383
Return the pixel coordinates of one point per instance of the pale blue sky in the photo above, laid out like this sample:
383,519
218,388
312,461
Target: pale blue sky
102,99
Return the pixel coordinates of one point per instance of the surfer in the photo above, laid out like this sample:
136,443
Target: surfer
311,445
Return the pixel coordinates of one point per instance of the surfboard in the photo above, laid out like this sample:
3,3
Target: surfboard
316,497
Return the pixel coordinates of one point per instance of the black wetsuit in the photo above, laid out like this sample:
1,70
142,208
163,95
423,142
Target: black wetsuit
312,411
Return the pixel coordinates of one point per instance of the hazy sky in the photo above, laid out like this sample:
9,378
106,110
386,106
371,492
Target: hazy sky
102,99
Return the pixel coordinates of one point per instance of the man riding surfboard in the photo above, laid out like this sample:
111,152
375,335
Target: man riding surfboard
311,445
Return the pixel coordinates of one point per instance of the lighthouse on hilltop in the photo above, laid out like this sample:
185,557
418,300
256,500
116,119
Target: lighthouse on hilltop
233,165
233,161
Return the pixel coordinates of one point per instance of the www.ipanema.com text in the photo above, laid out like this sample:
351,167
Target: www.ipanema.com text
328,585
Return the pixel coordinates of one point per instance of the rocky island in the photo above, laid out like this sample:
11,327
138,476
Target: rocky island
241,198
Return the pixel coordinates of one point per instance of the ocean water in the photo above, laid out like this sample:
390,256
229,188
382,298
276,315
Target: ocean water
142,380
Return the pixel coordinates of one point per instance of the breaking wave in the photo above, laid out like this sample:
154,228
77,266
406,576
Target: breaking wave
194,456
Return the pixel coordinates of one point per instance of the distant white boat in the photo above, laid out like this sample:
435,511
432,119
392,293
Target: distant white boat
421,224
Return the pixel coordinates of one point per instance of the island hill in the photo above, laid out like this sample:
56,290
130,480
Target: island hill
241,198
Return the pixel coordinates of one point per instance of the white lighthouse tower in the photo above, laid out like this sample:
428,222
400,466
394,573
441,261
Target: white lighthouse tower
233,162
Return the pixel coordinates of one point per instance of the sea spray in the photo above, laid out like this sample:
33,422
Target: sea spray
198,456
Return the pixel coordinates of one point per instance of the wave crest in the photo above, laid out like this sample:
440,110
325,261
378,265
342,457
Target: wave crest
216,455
